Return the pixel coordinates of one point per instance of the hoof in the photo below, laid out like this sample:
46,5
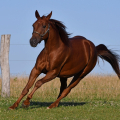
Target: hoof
14,106
25,105
54,105
10,108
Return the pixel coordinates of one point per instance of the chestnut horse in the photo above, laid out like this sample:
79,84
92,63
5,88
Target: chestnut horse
62,57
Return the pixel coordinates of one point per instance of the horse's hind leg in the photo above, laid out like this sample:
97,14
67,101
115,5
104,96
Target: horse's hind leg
65,92
63,85
34,74
75,81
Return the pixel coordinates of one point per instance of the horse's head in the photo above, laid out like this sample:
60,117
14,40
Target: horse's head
40,29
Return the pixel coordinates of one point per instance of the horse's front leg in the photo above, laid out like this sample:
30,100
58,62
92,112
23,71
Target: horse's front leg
49,76
34,74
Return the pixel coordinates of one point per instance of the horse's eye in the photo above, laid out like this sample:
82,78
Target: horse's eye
44,26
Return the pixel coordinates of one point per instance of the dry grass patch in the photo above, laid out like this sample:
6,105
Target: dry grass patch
91,87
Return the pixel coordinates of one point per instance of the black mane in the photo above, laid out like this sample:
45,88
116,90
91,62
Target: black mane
62,30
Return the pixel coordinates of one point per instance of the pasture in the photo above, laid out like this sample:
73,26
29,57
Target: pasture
94,98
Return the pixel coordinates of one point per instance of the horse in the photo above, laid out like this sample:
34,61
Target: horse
62,57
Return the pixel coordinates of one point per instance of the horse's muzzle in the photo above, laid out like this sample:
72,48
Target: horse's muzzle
33,42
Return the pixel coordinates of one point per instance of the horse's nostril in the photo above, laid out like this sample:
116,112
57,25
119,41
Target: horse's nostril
34,42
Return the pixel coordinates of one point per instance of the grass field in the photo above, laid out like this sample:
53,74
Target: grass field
94,98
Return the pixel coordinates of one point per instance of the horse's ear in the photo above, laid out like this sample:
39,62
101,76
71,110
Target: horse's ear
37,14
49,16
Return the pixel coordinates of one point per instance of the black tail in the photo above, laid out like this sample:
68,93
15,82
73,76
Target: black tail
110,57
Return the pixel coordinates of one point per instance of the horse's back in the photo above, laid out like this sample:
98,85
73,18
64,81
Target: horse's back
80,43
82,46
78,37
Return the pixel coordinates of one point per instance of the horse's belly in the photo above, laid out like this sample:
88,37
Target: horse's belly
71,70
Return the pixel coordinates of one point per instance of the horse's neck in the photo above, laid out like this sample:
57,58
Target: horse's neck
53,42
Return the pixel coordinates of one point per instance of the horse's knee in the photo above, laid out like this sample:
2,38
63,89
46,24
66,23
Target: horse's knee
25,91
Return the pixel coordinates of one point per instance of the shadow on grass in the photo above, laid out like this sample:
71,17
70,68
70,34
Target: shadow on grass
46,104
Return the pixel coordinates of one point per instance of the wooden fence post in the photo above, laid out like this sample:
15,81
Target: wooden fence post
4,61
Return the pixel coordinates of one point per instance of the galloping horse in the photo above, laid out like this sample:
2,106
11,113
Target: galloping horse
62,57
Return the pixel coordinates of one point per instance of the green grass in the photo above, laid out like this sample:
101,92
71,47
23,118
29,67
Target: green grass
67,110
95,98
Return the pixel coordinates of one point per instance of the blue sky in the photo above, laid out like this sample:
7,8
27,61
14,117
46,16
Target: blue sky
98,21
